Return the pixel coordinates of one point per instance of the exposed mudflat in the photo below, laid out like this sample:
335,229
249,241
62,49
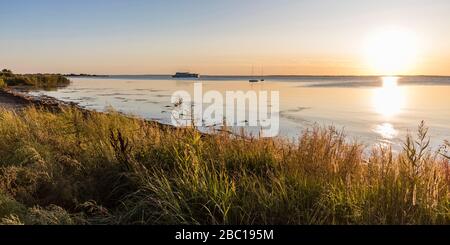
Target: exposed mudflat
10,101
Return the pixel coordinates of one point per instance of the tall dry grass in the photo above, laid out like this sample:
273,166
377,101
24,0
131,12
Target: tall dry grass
75,167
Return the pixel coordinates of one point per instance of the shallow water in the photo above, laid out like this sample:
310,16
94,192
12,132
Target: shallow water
369,109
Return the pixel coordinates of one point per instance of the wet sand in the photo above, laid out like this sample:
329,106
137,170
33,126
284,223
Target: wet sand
12,99
9,101
16,99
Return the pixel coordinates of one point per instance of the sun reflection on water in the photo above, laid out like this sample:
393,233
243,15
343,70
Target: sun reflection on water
389,99
386,131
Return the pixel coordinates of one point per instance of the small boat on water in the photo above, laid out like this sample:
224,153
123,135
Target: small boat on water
186,75
257,80
262,74
253,80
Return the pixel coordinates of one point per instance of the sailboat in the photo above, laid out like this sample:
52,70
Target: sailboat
253,80
262,74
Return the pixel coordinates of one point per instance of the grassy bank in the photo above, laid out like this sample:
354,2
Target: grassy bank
75,167
45,81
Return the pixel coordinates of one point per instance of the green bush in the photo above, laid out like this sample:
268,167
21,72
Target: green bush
41,81
36,80
9,206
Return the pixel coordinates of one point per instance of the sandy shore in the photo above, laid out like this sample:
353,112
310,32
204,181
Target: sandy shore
10,101
18,99
13,99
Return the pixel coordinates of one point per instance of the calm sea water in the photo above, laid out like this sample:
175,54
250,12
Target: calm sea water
369,109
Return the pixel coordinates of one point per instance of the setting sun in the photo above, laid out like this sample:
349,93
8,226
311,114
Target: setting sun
392,51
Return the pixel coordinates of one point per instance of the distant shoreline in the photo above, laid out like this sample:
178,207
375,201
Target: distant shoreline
249,76
84,75
338,81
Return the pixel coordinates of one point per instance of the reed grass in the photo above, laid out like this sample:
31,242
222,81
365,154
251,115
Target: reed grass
75,167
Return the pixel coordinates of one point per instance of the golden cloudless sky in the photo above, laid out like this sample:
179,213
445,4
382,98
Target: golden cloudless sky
322,37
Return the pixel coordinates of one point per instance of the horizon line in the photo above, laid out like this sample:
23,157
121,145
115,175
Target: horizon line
271,75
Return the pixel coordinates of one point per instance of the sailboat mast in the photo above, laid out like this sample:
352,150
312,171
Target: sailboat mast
252,78
262,73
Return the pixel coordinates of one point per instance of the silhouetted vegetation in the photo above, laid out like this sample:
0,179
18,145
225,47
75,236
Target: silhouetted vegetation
6,72
33,80
77,167
84,75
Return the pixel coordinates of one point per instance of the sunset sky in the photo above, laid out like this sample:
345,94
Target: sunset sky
320,37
